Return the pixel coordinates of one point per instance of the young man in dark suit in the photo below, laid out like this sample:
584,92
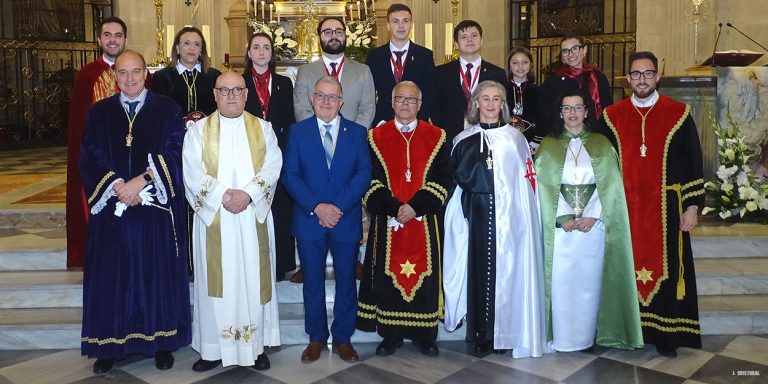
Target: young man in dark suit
401,59
327,169
457,79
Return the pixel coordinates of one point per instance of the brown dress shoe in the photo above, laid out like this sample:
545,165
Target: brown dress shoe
346,352
312,352
297,277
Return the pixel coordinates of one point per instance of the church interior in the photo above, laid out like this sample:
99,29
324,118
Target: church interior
44,43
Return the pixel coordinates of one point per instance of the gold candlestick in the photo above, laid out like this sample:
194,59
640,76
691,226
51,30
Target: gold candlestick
160,60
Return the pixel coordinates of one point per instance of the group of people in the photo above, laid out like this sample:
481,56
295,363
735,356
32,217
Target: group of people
540,219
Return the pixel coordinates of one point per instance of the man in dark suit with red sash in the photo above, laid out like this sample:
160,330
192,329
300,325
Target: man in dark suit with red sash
398,60
457,79
662,166
400,288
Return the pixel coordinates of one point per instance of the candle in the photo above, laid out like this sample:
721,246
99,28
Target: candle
448,39
255,8
365,7
278,17
351,15
169,32
428,36
358,10
271,12
262,10
247,8
373,7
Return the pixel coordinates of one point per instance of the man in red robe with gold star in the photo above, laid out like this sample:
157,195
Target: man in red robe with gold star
662,167
400,288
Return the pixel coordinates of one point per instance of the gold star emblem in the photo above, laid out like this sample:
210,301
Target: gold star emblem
407,269
644,275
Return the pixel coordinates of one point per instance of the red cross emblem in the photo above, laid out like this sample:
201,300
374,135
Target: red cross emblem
531,175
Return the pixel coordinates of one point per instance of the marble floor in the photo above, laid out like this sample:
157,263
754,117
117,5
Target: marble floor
723,359
32,191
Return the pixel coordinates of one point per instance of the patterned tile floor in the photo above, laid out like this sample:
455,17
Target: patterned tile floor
723,359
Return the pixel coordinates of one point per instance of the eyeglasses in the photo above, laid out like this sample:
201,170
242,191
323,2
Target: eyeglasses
572,50
649,74
325,96
571,108
189,43
339,32
236,91
405,100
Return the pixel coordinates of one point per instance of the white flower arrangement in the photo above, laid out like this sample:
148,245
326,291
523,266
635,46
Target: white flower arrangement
285,45
739,193
359,39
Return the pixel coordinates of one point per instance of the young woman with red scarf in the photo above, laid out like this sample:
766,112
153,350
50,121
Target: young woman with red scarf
575,73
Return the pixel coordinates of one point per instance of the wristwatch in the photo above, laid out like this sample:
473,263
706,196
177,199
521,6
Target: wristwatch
147,178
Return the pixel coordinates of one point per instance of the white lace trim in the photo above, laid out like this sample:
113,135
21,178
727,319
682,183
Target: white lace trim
162,195
108,193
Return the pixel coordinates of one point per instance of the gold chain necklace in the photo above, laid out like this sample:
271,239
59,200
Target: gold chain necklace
575,157
129,137
643,148
408,173
191,91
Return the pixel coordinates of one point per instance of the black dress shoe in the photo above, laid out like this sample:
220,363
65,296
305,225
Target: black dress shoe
261,363
590,349
103,366
205,365
164,360
500,351
672,353
388,346
482,349
427,347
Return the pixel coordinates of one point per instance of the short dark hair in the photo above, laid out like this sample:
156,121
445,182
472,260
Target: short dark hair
113,19
249,63
397,7
464,24
324,19
569,36
559,129
644,55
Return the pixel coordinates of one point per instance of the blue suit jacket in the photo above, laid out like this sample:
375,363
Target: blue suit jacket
309,181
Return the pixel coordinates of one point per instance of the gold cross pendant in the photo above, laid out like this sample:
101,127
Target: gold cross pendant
408,175
128,140
643,149
489,161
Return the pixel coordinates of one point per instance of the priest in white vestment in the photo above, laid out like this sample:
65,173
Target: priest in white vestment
231,166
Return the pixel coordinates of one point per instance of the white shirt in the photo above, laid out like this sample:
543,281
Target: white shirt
648,103
393,48
406,127
108,61
334,129
475,67
327,61
181,68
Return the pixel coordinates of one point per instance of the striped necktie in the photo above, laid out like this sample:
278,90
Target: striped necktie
328,144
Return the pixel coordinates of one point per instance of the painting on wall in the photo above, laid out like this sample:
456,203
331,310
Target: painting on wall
744,92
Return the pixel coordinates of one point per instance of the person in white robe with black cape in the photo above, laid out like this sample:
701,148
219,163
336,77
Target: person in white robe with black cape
492,270
231,166
588,267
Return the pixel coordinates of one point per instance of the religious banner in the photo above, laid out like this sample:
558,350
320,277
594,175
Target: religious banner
743,92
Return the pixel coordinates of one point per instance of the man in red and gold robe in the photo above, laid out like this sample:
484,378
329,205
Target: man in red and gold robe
400,288
662,167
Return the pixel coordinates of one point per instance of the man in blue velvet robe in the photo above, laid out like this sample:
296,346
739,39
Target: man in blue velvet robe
135,286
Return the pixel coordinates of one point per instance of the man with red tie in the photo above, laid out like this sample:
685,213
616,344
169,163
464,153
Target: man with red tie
457,79
94,82
399,60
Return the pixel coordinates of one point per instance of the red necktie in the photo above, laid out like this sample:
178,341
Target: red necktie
262,88
399,66
333,70
468,82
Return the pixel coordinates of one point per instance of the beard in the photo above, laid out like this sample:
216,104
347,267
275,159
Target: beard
327,48
643,93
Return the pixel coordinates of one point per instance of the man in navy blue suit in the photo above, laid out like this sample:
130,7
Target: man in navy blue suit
401,59
326,170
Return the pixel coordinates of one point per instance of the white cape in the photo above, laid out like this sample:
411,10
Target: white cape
519,299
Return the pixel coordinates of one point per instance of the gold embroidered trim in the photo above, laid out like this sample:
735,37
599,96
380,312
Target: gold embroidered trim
167,174
669,329
432,156
381,315
692,183
406,323
373,188
379,156
438,187
99,186
437,194
366,306
238,333
692,194
266,190
428,272
406,314
616,135
366,315
665,272
676,320
112,340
